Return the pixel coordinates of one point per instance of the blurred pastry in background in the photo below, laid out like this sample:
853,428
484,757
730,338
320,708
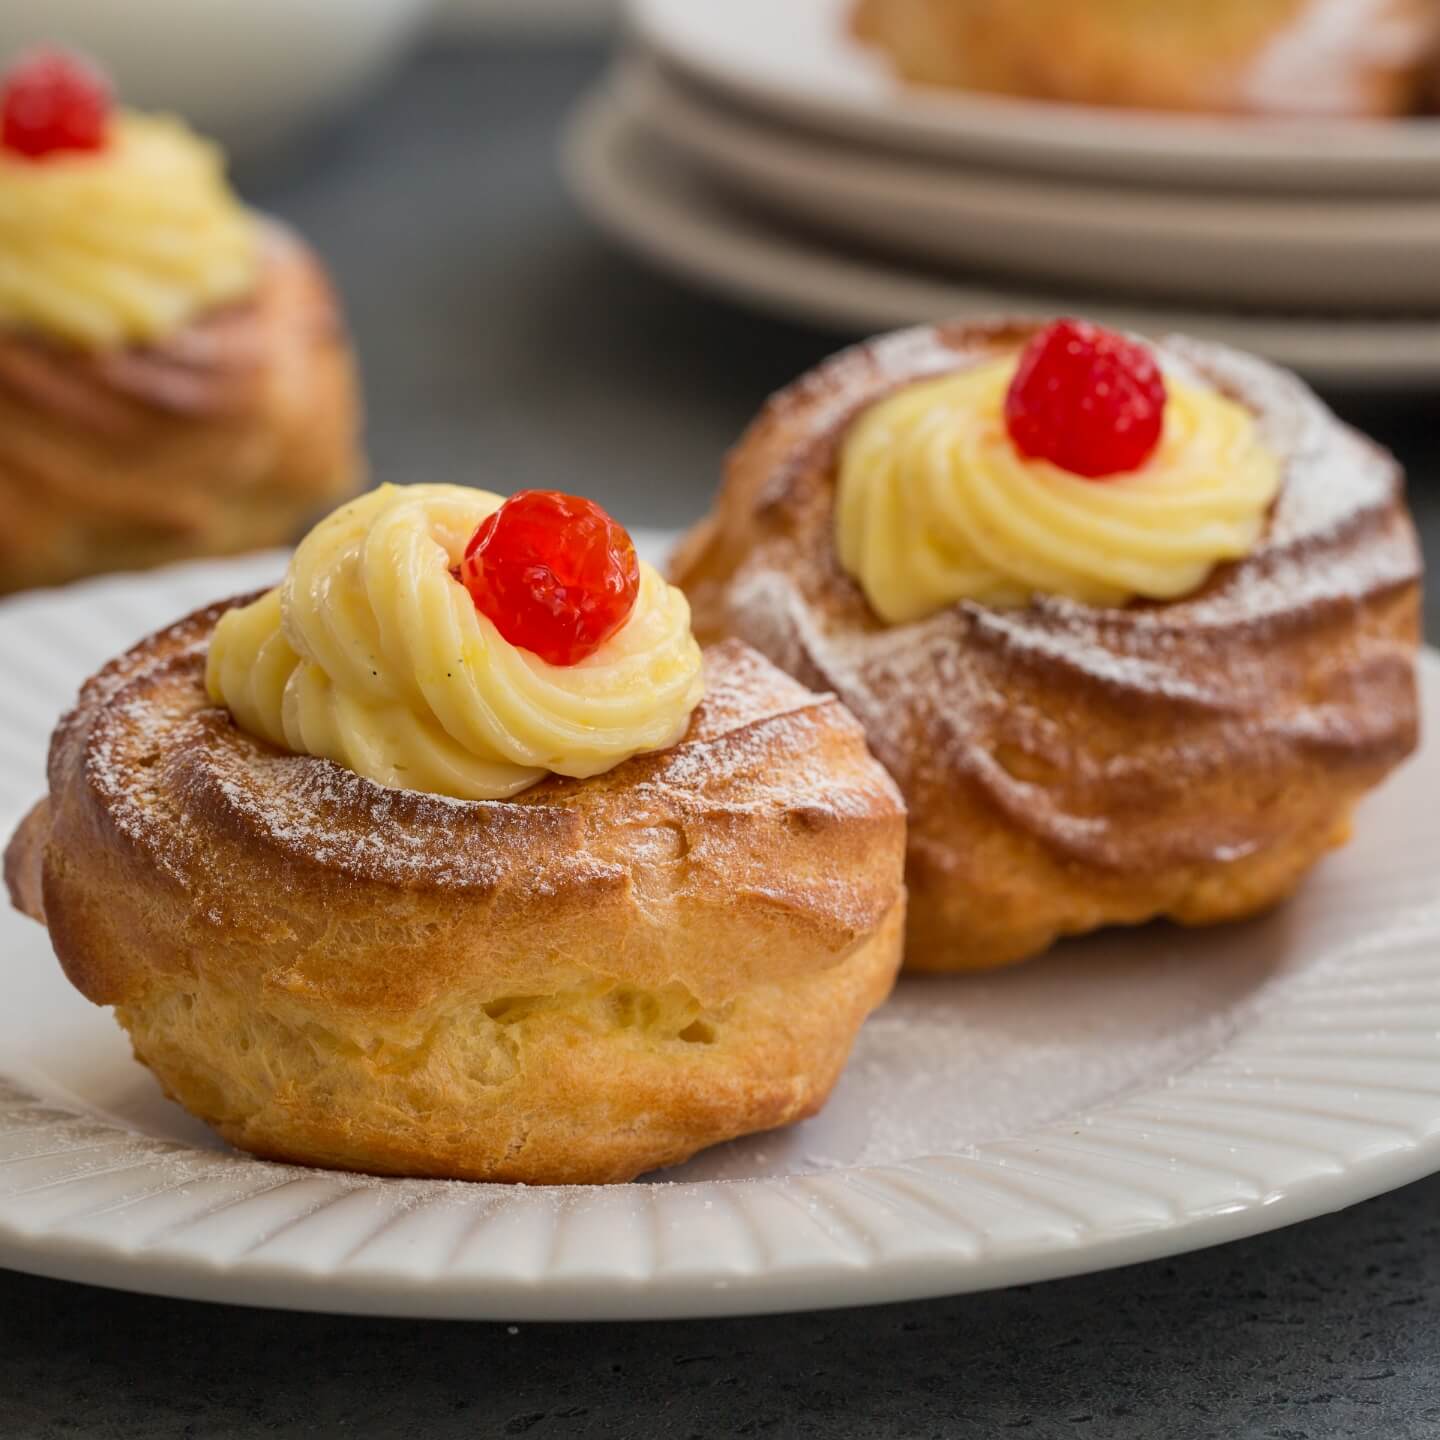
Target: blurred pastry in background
175,378
1262,57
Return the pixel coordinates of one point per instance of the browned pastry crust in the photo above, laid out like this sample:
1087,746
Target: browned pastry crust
1068,767
1219,56
226,437
591,980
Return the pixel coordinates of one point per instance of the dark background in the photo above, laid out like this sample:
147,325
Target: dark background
504,344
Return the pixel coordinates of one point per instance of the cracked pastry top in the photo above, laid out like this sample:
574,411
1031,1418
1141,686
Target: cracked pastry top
593,975
1083,737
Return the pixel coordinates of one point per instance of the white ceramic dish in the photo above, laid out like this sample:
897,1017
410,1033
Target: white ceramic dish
250,74
1278,251
796,62
651,198
1136,1095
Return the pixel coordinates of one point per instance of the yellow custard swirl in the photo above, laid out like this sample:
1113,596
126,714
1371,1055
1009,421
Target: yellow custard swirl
124,245
936,504
371,654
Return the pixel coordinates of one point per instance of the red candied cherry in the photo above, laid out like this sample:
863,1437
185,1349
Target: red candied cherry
52,102
553,573
1086,399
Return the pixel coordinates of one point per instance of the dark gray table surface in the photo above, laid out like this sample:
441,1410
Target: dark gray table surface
505,344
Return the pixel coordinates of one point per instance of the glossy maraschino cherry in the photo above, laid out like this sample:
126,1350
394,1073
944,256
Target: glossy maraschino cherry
52,103
553,573
1086,399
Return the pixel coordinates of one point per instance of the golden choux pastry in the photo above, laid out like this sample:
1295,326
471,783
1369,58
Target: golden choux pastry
666,932
175,379
1262,57
1154,689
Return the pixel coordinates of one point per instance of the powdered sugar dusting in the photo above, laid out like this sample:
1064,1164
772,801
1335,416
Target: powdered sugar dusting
194,794
936,696
948,1065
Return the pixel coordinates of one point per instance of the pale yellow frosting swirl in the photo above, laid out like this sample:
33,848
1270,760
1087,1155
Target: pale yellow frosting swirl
936,504
123,245
371,654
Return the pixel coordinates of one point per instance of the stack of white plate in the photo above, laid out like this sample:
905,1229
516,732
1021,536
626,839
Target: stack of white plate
753,147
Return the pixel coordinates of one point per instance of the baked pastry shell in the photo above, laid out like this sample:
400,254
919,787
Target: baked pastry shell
594,979
1066,767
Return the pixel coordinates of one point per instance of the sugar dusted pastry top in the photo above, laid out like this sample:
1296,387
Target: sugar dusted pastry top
770,809
1240,663
122,242
373,654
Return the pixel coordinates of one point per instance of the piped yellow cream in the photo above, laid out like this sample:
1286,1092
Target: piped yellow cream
123,245
371,654
936,505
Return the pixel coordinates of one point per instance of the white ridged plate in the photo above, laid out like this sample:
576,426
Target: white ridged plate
1372,255
795,62
649,195
1131,1096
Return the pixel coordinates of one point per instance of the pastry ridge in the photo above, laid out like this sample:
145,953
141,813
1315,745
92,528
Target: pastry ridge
590,980
1067,766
